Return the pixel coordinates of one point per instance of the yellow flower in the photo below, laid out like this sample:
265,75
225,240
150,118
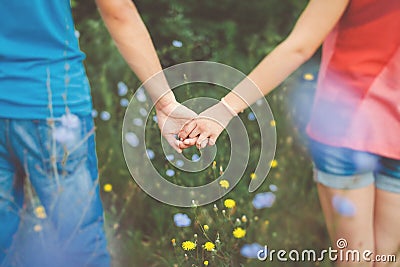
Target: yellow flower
244,219
253,176
214,165
206,227
40,212
229,203
188,245
107,188
173,241
266,222
274,163
224,184
239,232
209,246
205,263
308,77
272,123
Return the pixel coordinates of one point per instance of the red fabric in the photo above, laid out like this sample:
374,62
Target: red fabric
357,104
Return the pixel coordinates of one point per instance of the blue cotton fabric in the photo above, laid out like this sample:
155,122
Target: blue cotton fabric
41,69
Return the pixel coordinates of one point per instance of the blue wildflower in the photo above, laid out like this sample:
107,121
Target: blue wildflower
195,157
251,116
251,250
124,102
122,89
132,139
177,43
170,172
264,200
105,115
182,220
273,188
150,153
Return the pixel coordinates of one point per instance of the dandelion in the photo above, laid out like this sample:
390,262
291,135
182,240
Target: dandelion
272,123
229,203
173,242
308,77
107,188
343,206
182,220
206,227
214,165
215,208
239,232
209,246
274,163
251,251
40,212
205,263
188,245
264,200
224,184
253,176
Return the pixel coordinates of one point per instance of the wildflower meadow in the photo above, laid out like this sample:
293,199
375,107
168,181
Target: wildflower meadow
284,213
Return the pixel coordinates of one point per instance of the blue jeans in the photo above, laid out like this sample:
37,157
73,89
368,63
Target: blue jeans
61,223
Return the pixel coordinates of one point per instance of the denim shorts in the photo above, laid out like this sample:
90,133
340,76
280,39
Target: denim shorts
344,168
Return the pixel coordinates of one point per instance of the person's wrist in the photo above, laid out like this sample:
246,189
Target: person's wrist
228,107
166,102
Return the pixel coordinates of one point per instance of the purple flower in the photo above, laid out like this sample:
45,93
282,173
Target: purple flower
273,188
182,220
105,115
122,89
132,139
264,200
251,250
251,116
343,206
170,172
150,153
124,102
177,43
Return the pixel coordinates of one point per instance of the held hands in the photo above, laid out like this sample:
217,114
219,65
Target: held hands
171,118
204,129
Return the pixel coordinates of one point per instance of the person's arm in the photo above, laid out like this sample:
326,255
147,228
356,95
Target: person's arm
314,24
136,47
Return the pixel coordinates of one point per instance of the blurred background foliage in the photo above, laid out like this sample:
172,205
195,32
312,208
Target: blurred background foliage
141,231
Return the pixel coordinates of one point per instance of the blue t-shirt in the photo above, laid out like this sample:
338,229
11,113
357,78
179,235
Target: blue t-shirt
41,69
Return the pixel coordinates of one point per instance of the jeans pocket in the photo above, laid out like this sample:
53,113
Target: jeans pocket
64,143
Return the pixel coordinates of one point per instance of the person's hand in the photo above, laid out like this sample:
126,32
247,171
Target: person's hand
206,127
171,118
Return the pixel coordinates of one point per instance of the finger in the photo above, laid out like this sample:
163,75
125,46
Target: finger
203,137
187,129
173,143
194,133
212,140
190,141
